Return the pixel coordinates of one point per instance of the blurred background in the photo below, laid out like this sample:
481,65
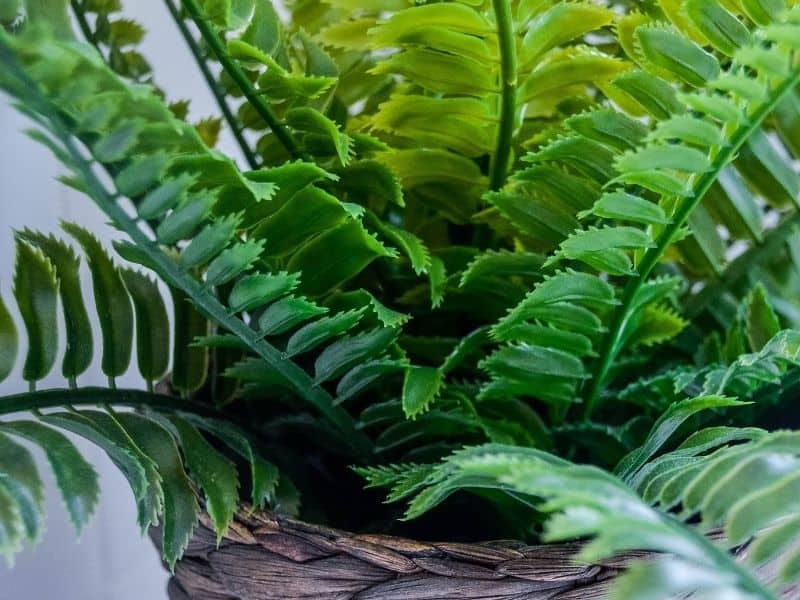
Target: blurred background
112,560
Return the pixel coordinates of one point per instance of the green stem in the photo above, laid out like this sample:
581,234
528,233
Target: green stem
92,396
508,96
206,302
757,254
86,30
213,85
653,255
238,75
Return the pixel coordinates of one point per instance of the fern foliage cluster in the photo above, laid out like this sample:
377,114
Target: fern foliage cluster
544,253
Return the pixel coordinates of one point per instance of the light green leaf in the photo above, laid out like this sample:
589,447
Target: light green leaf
233,262
666,425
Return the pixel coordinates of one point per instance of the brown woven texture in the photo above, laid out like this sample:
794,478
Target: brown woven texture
264,557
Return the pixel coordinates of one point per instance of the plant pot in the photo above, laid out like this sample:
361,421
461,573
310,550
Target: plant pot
266,557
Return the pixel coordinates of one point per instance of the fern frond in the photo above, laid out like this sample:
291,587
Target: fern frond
710,476
209,209
668,172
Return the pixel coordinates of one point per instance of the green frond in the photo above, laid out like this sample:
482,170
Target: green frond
199,208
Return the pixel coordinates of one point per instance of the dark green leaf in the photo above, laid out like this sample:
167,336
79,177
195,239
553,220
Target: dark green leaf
215,474
180,505
421,387
19,478
9,342
79,351
75,478
152,325
36,292
112,301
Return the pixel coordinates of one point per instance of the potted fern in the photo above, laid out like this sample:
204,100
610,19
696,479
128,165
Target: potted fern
532,267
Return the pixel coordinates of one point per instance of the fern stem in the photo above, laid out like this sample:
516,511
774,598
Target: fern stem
653,255
240,78
508,95
205,301
213,85
92,396
83,24
741,266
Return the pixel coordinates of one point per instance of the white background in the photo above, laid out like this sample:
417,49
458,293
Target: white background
111,561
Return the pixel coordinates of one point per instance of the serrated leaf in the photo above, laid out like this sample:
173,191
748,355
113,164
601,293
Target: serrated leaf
114,145
438,280
20,480
75,478
166,196
335,256
9,342
666,425
420,388
719,26
627,207
312,335
253,291
362,376
138,469
113,304
36,292
152,325
264,475
11,526
669,50
79,351
182,222
347,352
141,175
209,242
287,312
215,474
180,505
233,261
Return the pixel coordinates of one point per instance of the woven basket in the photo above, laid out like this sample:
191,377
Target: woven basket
264,557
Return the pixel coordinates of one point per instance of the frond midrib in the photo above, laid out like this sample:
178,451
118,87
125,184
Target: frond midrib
653,255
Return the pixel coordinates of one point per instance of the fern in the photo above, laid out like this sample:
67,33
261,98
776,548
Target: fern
623,236
476,249
705,476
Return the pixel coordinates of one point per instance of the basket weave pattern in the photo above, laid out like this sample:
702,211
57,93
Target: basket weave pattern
263,557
